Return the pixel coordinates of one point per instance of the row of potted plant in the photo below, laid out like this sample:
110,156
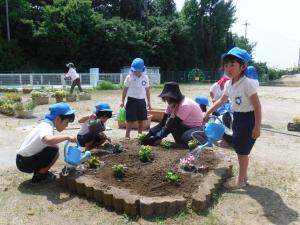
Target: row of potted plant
11,104
42,98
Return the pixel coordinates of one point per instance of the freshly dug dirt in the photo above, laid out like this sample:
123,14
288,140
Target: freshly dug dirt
148,178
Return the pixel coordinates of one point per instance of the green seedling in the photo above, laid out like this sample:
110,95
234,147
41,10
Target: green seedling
172,177
119,170
193,143
141,137
93,162
145,153
118,148
166,144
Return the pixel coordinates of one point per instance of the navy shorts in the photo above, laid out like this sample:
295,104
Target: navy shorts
243,124
135,109
38,161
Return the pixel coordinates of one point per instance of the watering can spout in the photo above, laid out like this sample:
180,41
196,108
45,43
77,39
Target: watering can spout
86,155
73,154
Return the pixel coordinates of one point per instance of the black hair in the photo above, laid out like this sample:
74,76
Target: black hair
203,107
172,100
107,114
231,58
70,117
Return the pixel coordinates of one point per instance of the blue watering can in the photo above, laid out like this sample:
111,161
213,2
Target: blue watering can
213,131
73,154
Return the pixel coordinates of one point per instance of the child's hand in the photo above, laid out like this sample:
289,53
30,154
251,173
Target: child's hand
93,117
122,105
205,118
256,132
72,138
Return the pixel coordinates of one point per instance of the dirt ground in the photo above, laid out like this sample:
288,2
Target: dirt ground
274,171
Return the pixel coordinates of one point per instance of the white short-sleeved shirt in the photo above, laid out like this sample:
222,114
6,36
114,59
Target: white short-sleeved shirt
216,90
73,74
136,86
34,142
239,93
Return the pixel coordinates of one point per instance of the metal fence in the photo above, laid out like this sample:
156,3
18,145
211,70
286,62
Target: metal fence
22,79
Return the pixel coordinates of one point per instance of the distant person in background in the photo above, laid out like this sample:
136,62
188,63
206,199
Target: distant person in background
252,74
136,88
74,77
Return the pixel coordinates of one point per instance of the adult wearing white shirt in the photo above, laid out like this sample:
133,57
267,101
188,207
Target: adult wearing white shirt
74,77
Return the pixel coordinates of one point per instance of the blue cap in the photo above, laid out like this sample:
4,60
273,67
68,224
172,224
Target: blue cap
137,65
59,109
239,53
251,73
201,99
102,106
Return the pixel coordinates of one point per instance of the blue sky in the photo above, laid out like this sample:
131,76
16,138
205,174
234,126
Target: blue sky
274,25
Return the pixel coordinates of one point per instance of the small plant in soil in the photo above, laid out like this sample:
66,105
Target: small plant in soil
93,162
119,170
166,144
141,137
193,143
118,148
172,177
187,163
145,153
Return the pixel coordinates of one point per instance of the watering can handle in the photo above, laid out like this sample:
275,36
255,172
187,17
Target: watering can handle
66,149
216,118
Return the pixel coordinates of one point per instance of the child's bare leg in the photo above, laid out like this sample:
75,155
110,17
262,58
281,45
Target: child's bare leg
140,126
243,167
128,129
46,169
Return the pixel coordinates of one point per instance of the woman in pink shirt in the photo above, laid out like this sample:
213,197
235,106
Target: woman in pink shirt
182,117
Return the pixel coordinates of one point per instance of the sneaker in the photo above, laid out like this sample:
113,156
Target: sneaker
40,178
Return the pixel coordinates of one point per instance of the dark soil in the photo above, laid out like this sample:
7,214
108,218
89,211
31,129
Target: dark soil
148,179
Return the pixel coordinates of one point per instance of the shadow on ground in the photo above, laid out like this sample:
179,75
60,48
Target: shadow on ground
275,210
53,191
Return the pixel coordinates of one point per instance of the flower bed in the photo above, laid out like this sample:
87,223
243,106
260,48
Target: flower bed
156,187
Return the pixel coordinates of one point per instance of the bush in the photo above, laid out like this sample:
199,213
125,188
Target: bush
38,94
145,153
13,97
119,170
106,85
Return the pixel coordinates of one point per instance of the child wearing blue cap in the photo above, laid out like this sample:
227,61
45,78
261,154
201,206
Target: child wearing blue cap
252,74
136,88
91,133
39,151
247,111
202,101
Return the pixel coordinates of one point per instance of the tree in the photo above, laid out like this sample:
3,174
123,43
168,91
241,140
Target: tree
242,42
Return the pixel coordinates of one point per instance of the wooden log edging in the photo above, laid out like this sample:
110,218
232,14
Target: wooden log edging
123,201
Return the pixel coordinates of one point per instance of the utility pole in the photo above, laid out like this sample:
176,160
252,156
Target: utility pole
246,24
299,59
7,21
